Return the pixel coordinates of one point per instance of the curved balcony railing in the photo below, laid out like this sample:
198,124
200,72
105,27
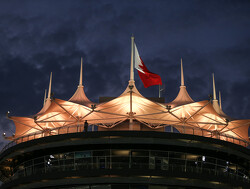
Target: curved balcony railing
91,128
141,159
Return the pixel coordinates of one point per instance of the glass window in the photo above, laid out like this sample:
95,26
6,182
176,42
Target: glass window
80,187
161,163
101,187
140,162
69,155
120,186
117,152
100,152
137,153
176,155
139,187
159,153
120,162
83,154
83,163
160,187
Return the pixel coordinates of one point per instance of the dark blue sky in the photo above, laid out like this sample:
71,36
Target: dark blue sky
39,37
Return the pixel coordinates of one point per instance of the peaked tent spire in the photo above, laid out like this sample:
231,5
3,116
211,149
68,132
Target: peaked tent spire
216,105
47,101
215,101
50,81
214,90
182,75
80,97
183,96
220,100
44,100
80,80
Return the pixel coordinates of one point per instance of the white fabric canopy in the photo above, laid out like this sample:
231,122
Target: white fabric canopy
187,116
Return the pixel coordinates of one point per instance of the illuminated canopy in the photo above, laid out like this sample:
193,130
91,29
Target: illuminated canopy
133,111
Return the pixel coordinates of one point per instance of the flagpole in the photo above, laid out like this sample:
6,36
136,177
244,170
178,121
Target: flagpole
161,89
131,83
132,61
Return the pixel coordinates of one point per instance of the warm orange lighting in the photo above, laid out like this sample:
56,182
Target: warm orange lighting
185,115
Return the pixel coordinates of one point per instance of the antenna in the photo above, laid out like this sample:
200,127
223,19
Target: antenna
161,88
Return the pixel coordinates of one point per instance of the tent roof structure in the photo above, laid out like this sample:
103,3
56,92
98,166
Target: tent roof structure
184,113
183,96
46,101
132,111
216,105
80,97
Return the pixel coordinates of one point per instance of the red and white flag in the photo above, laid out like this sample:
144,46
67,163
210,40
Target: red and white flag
148,78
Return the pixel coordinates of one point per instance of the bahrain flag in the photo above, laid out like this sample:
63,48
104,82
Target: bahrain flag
148,78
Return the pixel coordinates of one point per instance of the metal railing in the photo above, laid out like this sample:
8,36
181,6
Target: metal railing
80,128
171,161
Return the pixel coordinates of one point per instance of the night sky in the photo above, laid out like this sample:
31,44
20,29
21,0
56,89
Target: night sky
39,37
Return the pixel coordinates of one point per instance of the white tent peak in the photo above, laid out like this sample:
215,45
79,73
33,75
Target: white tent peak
50,82
214,90
80,80
216,105
183,96
80,97
47,101
131,83
44,100
182,75
220,100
